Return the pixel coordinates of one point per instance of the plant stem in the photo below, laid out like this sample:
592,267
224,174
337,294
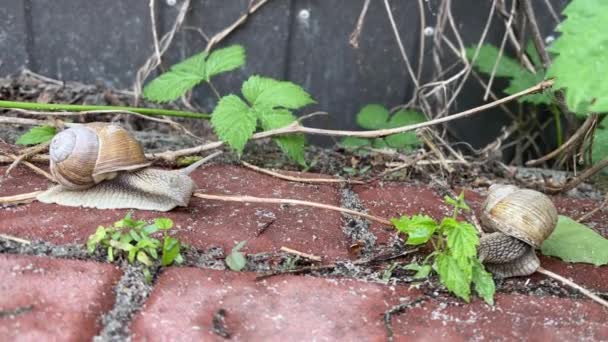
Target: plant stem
558,125
81,108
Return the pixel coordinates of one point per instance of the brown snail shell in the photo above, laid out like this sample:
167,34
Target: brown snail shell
102,166
85,155
520,219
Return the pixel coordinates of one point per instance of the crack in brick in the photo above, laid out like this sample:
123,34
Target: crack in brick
131,293
356,228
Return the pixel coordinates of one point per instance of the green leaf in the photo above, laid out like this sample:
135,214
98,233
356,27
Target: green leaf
453,276
600,142
404,118
488,54
422,271
580,65
521,78
95,239
37,135
419,228
110,254
457,203
233,122
484,283
236,261
224,60
171,248
150,229
178,80
143,258
373,116
121,245
462,240
574,242
379,143
524,80
163,223
353,142
533,54
293,144
263,93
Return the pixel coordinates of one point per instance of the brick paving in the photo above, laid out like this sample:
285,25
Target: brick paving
45,299
68,297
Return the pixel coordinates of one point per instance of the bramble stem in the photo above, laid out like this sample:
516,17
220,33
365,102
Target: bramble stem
82,108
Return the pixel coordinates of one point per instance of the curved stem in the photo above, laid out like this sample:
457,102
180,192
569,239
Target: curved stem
81,108
227,198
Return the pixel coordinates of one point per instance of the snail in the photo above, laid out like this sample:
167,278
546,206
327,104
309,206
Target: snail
519,220
100,165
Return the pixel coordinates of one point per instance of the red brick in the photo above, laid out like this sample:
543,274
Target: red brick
390,199
21,180
514,317
67,297
205,223
587,275
280,308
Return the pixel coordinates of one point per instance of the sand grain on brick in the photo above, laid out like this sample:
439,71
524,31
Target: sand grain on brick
59,300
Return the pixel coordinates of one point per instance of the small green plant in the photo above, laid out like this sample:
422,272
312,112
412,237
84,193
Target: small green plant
131,239
236,260
268,104
37,135
455,251
374,116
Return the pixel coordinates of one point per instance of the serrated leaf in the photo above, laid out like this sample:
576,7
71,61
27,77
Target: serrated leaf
163,223
484,283
354,142
174,83
524,80
419,228
262,92
373,116
404,118
233,122
462,240
37,135
293,144
580,65
452,276
223,60
574,242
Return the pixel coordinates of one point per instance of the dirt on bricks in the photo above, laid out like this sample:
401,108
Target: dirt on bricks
51,289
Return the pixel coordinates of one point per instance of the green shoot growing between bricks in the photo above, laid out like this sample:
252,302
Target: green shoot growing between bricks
454,256
131,239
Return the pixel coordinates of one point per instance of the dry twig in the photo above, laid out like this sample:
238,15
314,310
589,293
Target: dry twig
299,179
251,199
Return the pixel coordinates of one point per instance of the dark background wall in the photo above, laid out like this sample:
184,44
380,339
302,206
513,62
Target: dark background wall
304,41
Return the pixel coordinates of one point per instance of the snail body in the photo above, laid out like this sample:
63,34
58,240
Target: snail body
518,221
102,166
